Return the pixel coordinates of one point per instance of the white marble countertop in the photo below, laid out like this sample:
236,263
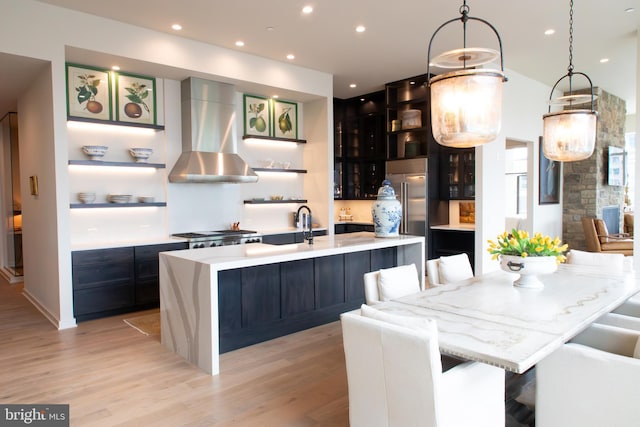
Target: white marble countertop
489,320
454,227
126,243
237,256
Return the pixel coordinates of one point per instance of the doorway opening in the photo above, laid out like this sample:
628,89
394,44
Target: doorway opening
11,267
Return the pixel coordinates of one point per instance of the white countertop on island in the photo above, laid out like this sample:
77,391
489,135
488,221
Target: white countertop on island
237,256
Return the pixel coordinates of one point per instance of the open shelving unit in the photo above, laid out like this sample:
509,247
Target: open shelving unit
121,164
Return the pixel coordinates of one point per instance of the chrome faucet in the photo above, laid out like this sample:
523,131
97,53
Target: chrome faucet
307,235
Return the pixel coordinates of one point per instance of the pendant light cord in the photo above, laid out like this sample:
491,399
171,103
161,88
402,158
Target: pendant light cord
570,68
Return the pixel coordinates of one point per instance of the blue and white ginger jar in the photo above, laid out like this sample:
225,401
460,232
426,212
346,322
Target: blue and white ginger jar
386,212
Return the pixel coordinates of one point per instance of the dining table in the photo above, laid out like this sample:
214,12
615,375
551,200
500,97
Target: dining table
488,319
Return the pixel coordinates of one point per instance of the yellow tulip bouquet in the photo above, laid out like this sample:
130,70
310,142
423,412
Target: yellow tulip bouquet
518,243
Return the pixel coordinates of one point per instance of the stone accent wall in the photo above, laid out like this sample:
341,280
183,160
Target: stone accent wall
585,190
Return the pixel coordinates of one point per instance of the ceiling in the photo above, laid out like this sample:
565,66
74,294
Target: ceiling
394,45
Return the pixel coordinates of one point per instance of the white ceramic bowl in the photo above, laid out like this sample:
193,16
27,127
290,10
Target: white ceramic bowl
146,199
95,152
119,198
87,197
141,154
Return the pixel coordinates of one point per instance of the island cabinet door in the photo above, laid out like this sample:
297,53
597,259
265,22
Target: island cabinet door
356,264
329,281
230,300
260,294
383,258
297,287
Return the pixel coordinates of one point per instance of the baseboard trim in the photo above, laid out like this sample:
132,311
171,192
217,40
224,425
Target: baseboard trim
47,314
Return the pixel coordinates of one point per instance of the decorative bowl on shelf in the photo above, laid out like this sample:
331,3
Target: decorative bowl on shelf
146,199
277,197
141,154
95,152
87,197
119,198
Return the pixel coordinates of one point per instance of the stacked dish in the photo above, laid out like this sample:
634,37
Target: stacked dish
141,154
119,198
87,197
146,199
95,152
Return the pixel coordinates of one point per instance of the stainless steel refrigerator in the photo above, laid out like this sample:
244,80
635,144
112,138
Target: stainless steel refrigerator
409,181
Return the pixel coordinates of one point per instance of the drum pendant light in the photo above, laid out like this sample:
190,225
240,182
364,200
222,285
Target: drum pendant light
466,104
570,134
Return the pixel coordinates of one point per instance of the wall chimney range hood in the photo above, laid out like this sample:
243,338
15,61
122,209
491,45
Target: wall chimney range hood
209,135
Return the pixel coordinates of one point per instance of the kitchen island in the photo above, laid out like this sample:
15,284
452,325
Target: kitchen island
214,300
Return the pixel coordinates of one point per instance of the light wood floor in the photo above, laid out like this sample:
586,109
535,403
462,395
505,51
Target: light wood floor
112,375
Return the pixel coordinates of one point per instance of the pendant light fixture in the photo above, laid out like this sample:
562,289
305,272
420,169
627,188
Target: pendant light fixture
570,134
466,104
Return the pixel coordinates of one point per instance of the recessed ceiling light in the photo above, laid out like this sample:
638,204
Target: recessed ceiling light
239,43
360,29
549,32
630,9
115,68
275,96
291,56
271,28
412,82
352,85
307,9
604,60
362,99
176,27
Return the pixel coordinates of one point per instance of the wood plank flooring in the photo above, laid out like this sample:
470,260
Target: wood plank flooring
112,375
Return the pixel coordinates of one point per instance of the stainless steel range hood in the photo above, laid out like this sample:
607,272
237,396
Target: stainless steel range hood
209,135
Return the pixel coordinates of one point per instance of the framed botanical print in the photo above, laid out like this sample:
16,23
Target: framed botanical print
549,174
88,92
285,119
135,99
257,116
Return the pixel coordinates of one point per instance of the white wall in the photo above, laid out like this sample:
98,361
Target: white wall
37,30
524,103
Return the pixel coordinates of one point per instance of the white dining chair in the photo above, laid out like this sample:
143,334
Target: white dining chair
395,376
591,381
448,269
390,283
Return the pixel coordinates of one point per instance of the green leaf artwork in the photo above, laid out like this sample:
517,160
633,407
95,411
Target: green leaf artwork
257,122
87,91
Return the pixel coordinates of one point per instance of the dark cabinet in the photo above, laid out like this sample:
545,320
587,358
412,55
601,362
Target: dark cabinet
355,265
297,287
330,281
457,174
279,239
229,300
263,302
147,277
452,242
359,150
289,238
103,281
260,294
116,280
408,118
352,228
